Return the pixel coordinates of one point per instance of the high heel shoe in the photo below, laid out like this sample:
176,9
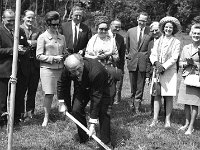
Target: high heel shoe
45,122
188,132
154,123
183,128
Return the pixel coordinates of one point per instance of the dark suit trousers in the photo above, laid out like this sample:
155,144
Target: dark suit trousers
78,112
137,82
3,96
32,85
20,94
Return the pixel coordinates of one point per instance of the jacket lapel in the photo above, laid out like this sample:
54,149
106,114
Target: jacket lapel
144,36
7,33
80,32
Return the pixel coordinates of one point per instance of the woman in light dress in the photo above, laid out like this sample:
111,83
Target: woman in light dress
101,45
164,56
51,48
190,95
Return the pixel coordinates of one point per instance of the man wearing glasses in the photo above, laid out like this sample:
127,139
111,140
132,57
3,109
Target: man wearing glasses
137,41
6,52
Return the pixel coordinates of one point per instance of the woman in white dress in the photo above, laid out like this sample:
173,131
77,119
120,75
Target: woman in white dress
164,56
101,45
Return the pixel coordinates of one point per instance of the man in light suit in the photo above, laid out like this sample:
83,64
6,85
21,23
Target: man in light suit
76,35
137,41
115,27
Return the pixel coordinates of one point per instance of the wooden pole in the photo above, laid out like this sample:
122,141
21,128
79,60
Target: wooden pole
14,74
1,10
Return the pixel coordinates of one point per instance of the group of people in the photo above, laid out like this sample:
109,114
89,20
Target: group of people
67,54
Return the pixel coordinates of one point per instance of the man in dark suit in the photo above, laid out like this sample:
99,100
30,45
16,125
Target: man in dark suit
76,33
115,27
94,84
32,64
6,51
137,41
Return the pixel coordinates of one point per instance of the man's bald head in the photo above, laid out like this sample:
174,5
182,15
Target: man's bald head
72,61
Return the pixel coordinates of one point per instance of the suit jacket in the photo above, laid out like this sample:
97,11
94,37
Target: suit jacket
6,51
137,57
95,79
32,35
83,36
121,47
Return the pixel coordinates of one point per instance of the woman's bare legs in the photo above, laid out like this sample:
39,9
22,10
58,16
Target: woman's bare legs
194,113
169,106
48,98
187,117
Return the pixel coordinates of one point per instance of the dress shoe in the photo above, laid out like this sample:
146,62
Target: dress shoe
76,138
99,147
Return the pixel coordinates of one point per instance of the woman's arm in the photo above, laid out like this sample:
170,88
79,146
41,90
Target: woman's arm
174,56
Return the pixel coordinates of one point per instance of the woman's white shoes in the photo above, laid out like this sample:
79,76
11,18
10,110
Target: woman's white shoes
45,122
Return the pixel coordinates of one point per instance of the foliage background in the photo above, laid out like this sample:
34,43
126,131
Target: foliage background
187,11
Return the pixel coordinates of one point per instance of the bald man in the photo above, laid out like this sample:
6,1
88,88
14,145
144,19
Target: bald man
96,85
6,51
31,64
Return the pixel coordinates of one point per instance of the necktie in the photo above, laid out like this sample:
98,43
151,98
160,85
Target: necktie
75,37
140,38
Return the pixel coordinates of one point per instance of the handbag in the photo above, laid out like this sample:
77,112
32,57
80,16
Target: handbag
192,80
156,86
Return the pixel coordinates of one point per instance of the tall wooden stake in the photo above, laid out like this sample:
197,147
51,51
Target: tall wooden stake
14,74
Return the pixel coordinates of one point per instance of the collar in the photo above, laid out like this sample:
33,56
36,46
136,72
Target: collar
49,36
111,34
7,28
77,25
28,28
138,27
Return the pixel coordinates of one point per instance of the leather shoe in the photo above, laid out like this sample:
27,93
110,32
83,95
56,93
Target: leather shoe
99,147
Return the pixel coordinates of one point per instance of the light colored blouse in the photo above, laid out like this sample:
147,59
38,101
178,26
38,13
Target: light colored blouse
48,47
189,51
96,45
166,51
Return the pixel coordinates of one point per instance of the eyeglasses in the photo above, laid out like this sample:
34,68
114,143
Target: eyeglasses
154,30
103,29
54,25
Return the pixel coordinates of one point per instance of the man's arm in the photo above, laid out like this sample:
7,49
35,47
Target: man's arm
63,88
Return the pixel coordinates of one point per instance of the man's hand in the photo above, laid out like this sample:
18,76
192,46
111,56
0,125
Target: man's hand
62,108
147,81
80,52
92,130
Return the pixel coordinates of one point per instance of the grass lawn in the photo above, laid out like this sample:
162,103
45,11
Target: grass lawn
126,126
